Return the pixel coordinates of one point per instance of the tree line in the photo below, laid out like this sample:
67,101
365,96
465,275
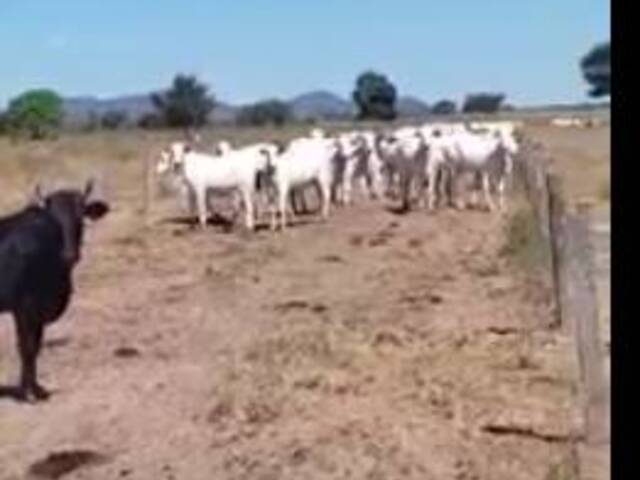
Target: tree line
188,103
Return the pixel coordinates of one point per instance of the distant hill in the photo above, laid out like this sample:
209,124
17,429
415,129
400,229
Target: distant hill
316,104
321,104
78,109
224,113
411,107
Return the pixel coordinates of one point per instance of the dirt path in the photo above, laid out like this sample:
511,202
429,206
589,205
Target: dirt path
373,346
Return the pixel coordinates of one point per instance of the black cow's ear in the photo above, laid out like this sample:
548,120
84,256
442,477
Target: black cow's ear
96,209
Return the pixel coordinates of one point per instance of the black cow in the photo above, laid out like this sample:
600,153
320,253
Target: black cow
39,247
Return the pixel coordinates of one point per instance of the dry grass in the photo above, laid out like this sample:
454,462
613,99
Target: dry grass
583,157
604,192
523,243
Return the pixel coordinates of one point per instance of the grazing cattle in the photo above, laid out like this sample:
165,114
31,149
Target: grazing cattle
39,247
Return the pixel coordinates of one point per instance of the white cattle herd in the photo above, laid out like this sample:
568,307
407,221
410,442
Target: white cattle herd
423,163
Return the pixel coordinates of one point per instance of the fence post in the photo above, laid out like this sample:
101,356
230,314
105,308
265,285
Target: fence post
584,309
576,303
557,234
578,308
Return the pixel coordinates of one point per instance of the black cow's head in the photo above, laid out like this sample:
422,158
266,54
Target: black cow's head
69,207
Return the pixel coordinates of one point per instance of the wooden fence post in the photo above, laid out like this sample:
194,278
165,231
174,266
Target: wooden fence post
557,236
583,305
576,301
578,306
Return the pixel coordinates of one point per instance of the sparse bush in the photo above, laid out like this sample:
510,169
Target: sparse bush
92,123
113,119
3,123
523,242
269,112
35,113
604,192
482,102
150,121
186,103
562,471
444,107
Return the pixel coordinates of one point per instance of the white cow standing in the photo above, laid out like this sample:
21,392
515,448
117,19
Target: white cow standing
489,156
235,171
304,161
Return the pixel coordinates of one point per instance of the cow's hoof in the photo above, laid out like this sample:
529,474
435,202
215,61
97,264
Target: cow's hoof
40,393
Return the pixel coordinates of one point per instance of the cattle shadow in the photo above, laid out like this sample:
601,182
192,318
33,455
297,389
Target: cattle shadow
55,343
192,224
215,220
228,226
13,392
301,220
399,209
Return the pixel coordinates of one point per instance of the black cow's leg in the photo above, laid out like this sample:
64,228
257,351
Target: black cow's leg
29,335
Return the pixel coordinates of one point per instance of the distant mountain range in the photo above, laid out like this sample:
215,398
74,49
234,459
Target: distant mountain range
319,104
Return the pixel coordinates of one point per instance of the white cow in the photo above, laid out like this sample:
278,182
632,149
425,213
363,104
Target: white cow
349,164
303,162
404,156
237,170
489,156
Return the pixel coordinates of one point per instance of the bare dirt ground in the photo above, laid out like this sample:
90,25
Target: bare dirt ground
372,346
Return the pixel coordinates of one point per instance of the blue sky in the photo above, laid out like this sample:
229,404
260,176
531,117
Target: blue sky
250,49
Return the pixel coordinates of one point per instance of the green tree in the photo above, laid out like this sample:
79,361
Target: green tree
596,69
268,112
444,107
35,113
482,102
375,97
186,103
